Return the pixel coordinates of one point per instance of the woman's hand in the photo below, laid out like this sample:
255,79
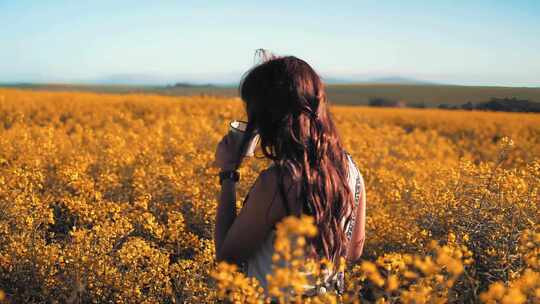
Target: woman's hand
227,151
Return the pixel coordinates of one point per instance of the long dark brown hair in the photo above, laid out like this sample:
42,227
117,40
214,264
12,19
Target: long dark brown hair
286,103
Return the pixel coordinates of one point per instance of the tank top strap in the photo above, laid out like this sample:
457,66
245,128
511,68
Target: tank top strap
357,189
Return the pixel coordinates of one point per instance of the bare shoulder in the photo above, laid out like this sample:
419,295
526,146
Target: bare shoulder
272,174
269,180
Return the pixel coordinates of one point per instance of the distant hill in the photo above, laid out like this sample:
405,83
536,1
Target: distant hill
129,79
151,80
431,95
375,80
398,80
190,85
336,80
164,80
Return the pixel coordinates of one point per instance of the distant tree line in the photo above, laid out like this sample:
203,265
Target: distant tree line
386,102
498,104
506,104
391,103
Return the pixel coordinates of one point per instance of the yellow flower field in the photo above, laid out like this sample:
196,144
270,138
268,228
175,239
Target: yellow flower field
111,199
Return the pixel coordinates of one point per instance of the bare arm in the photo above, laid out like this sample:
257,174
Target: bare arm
237,237
225,215
240,237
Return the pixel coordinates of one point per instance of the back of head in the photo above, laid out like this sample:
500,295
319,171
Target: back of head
286,102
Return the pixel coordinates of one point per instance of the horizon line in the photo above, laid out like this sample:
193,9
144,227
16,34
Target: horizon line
235,84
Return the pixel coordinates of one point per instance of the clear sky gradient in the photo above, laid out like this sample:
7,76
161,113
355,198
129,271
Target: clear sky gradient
458,42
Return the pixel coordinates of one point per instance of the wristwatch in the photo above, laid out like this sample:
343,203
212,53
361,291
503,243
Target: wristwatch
230,174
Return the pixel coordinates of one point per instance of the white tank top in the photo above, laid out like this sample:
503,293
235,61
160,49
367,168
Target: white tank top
260,263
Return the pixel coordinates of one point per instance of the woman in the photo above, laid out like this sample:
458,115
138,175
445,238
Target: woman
311,172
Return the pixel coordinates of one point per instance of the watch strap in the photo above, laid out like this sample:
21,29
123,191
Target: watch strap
229,174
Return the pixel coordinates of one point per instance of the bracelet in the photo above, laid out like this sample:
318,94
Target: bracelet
230,174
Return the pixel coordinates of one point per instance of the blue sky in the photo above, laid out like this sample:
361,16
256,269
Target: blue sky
461,42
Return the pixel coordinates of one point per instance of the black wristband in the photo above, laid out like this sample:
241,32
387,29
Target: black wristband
230,174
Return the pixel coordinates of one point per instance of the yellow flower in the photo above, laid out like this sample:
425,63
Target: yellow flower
112,197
